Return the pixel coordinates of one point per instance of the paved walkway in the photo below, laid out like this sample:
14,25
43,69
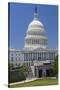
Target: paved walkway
28,80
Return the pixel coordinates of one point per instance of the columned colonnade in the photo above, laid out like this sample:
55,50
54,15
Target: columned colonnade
32,56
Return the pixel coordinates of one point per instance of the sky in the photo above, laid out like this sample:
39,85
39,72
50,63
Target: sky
19,17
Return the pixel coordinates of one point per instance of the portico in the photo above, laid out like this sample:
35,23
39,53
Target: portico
42,71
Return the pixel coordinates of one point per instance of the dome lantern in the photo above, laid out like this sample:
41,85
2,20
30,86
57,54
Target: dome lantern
35,14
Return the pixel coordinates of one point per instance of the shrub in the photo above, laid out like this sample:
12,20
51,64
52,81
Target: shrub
15,76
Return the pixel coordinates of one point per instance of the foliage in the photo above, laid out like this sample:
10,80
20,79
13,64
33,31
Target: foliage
10,66
17,74
25,69
55,65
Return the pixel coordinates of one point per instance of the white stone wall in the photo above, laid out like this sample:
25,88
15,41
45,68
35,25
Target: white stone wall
15,57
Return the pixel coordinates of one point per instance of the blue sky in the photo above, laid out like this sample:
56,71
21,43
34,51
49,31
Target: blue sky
20,15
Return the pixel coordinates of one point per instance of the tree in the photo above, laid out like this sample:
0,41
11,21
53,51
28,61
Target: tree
15,74
18,74
24,68
10,66
55,65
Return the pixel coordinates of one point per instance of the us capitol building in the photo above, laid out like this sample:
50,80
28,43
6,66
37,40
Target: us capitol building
35,53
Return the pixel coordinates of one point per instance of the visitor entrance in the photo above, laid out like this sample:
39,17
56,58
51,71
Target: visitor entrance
40,73
49,72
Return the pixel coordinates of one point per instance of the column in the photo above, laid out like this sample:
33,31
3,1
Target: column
37,56
33,70
41,56
29,58
37,73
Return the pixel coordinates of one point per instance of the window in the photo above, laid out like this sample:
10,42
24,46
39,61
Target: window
12,59
32,41
16,58
39,56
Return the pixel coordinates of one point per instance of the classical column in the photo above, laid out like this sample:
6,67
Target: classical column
37,56
37,73
33,70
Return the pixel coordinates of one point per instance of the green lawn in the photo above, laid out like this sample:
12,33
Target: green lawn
39,82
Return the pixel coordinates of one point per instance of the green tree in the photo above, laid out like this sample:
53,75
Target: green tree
25,69
10,66
55,65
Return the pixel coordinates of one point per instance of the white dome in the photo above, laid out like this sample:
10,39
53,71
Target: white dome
35,28
35,35
35,22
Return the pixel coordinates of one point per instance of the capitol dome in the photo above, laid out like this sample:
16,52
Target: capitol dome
35,35
35,22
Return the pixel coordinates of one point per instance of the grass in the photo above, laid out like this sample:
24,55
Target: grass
38,82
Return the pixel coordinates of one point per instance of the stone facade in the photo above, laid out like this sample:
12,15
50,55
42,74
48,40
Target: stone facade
38,60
